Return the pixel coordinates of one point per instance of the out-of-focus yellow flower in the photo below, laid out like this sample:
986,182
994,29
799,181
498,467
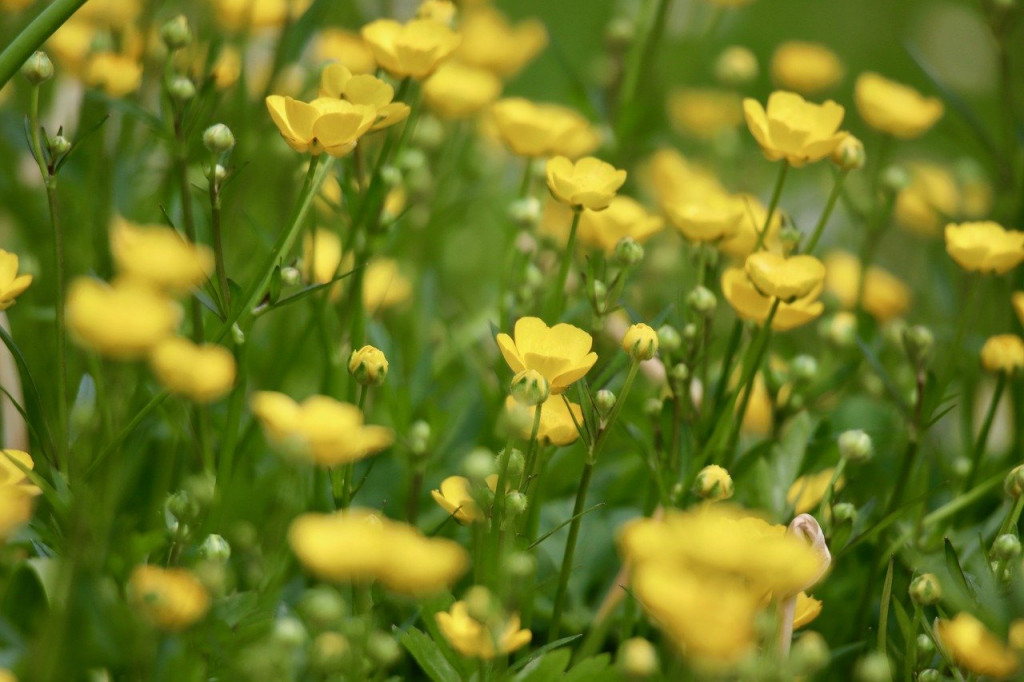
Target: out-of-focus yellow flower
785,278
973,647
805,67
12,472
239,15
347,48
807,609
985,246
226,68
1015,637
624,217
710,218
116,74
1017,300
321,255
589,183
442,11
885,297
1003,353
561,353
458,91
474,639
414,49
931,199
490,42
15,5
113,13
531,129
760,415
12,284
326,124
704,112
158,256
794,129
742,243
750,304
337,82
123,320
357,545
15,509
202,373
455,498
320,428
384,286
807,491
557,425
170,598
894,108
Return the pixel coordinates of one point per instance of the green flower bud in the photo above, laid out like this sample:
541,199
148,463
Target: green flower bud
679,373
736,65
895,178
702,301
176,33
810,653
1013,484
182,506
849,154
640,342
478,465
525,212
637,659
480,603
515,503
521,565
713,483
668,338
1006,547
855,446
218,138
322,607
391,175
58,146
840,330
530,388
652,407
689,332
181,89
925,589
919,343
925,649
929,675
215,548
620,33
289,632
383,649
961,467
428,132
873,668
419,437
368,366
38,68
514,463
604,400
628,252
598,291
843,512
329,653
804,368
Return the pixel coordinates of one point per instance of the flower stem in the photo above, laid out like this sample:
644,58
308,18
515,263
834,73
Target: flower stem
830,204
558,297
986,426
759,347
773,204
218,246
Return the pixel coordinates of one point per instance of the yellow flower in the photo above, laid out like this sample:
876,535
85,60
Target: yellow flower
158,256
490,42
885,297
337,82
16,507
116,74
368,365
713,483
894,108
326,125
437,10
929,201
1015,636
414,49
973,647
788,279
561,353
531,129
123,320
421,565
805,67
1017,300
624,217
807,491
794,129
742,243
12,284
321,429
202,373
589,183
239,15
704,112
760,415
384,286
226,69
344,47
458,91
556,420
474,639
640,342
1003,353
12,472
455,498
985,246
750,304
170,598
807,609
710,218
321,256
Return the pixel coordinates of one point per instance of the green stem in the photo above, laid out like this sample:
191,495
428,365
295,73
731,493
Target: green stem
773,204
558,298
830,204
525,185
759,348
34,35
986,426
1010,522
910,453
218,246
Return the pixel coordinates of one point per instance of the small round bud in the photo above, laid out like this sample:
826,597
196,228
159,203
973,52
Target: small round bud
289,632
736,65
689,332
702,301
841,329
803,368
1013,484
368,366
412,160
383,649
419,437
1006,547
849,154
919,343
530,388
895,178
176,33
218,138
181,89
478,464
810,653
515,503
215,548
182,506
38,68
328,653
599,295
855,446
892,332
843,512
322,607
525,212
713,483
627,252
428,133
668,338
873,668
521,565
620,33
925,648
58,145
640,342
290,276
653,407
925,589
637,658
479,603
604,400
679,373
391,175
513,462
929,675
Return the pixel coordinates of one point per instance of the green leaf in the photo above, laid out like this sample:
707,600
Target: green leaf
883,609
543,650
545,668
591,670
428,656
956,572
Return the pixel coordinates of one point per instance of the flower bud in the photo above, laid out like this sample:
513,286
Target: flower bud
515,503
680,372
530,388
637,658
428,132
640,342
322,607
919,343
668,338
289,632
412,160
620,33
713,483
925,648
803,368
215,548
328,653
218,138
479,603
925,589
290,276
38,68
627,252
929,674
176,33
873,667
961,466
513,462
895,178
604,400
810,653
1006,547
855,446
702,301
736,65
653,407
520,565
368,365
218,174
841,329
383,649
419,437
1013,484
58,146
478,465
391,176
849,154
689,332
182,506
843,512
525,212
599,295
181,89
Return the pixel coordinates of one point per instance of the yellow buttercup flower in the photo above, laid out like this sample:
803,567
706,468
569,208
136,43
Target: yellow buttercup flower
793,129
321,256
12,472
454,497
741,244
788,279
760,415
704,112
531,129
159,256
710,218
640,342
589,183
337,82
474,639
347,48
202,373
116,74
1003,353
985,247
420,565
561,353
226,69
368,365
750,304
170,598
894,108
320,428
123,320
929,201
490,42
805,67
807,609
414,49
972,646
326,125
557,420
807,491
239,15
384,286
885,297
1017,300
458,91
12,284
624,217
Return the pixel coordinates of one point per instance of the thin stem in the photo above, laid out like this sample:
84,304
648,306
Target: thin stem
527,181
34,35
759,348
218,245
910,453
558,305
837,189
780,180
986,426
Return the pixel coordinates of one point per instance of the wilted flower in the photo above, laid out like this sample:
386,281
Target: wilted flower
588,183
894,108
750,304
458,91
531,129
326,124
805,67
12,284
784,278
490,42
561,353
123,320
1003,353
414,49
202,373
985,247
159,256
884,296
170,598
474,639
558,420
972,646
794,129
